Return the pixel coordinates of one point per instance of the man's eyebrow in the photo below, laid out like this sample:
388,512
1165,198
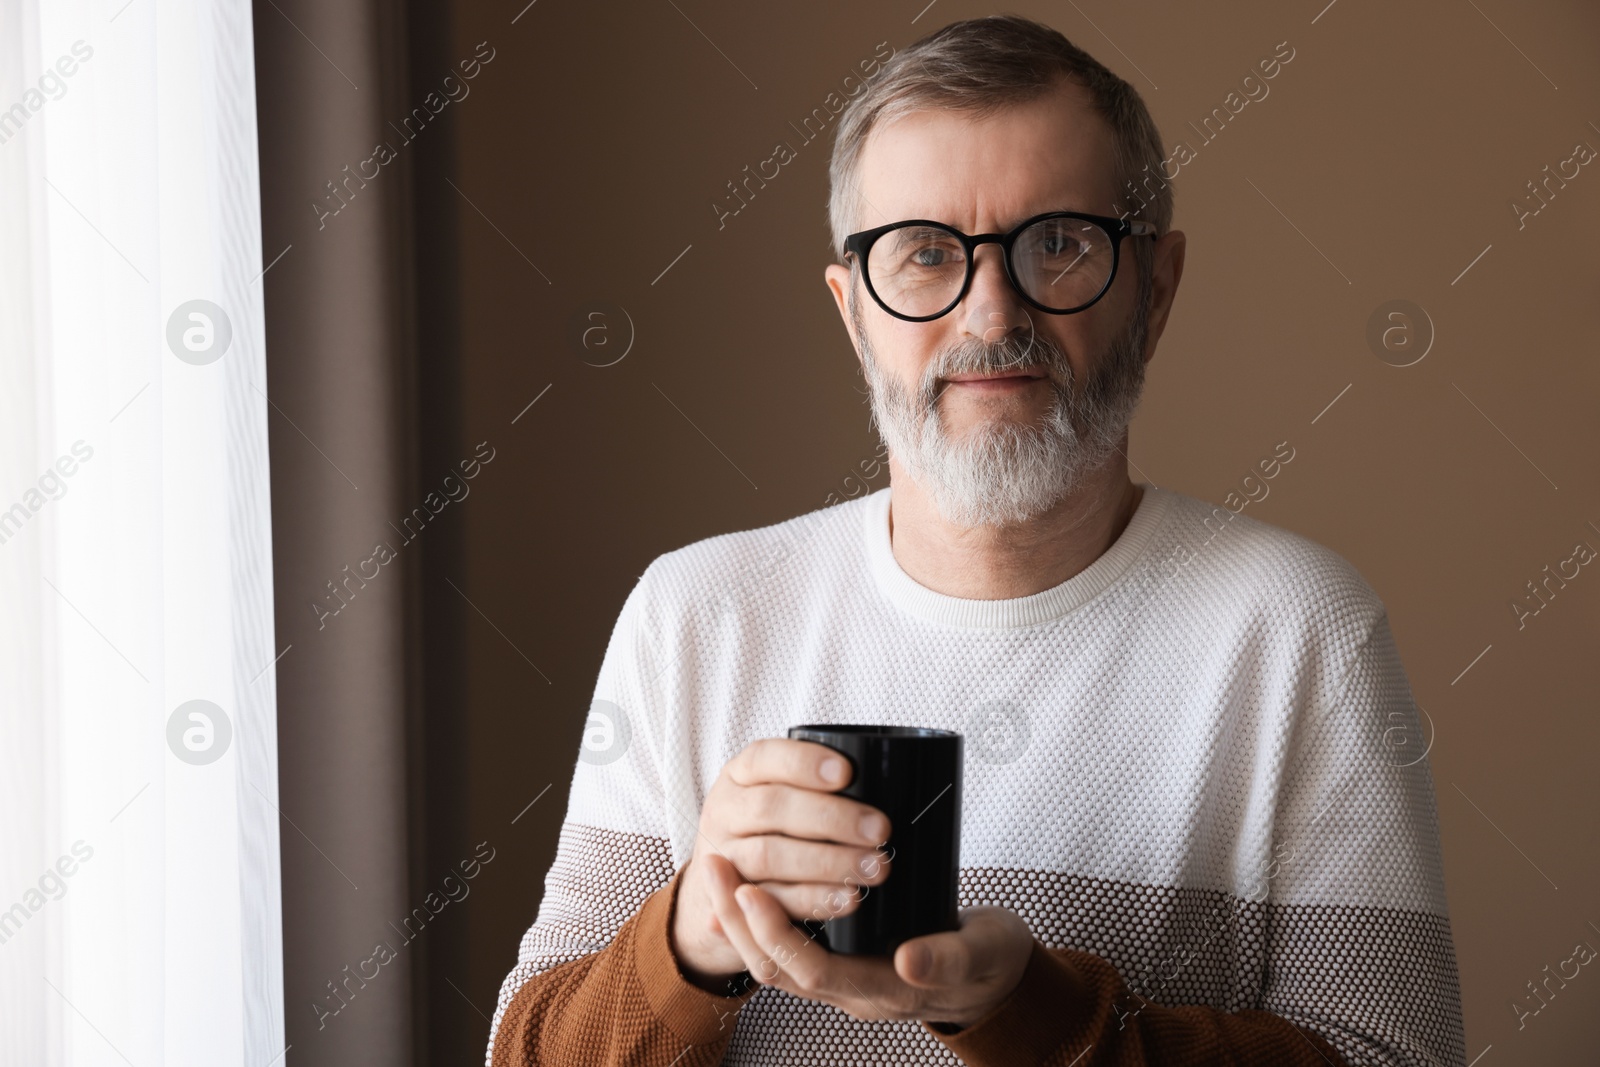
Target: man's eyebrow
1047,211
1009,225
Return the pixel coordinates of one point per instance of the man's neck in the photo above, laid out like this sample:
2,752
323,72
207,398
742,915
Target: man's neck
1005,562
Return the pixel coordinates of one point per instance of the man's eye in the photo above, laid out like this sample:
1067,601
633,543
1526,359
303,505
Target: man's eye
933,255
1062,242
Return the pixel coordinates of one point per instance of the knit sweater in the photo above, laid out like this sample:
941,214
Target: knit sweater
1194,769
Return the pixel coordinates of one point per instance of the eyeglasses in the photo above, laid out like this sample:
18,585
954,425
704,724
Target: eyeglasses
1060,262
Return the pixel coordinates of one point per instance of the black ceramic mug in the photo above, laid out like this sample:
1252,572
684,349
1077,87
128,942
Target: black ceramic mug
912,775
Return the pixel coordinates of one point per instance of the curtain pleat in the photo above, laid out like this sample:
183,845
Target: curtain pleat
329,79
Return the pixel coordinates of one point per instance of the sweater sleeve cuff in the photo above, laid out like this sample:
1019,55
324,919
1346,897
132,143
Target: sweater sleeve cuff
697,1016
1047,1010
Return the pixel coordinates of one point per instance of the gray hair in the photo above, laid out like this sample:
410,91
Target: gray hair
979,66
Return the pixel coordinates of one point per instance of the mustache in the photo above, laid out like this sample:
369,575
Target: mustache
975,356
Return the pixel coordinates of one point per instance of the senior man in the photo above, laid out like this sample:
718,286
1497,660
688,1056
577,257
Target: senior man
1188,836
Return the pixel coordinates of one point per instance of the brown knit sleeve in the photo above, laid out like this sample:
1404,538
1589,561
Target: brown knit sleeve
627,1005
1071,1009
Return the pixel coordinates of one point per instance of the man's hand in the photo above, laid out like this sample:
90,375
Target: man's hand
956,977
772,819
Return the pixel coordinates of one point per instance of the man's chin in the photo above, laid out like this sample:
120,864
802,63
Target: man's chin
991,423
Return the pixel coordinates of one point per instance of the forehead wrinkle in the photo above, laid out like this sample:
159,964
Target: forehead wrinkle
936,144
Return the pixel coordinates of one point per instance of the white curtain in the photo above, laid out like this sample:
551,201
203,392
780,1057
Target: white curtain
139,879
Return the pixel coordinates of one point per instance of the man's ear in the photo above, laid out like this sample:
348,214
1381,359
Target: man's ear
1166,272
838,278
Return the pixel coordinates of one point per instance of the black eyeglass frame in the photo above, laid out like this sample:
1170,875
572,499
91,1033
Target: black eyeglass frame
860,245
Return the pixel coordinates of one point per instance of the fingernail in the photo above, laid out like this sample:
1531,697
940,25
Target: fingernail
833,769
740,899
872,828
869,864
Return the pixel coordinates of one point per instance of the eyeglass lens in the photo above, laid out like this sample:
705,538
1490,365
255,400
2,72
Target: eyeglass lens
1062,263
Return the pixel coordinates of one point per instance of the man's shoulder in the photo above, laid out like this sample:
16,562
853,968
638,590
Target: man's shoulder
1264,569
741,562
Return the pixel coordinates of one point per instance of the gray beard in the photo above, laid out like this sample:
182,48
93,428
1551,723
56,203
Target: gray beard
1002,472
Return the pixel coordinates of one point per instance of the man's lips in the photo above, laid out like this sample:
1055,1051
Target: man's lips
1013,378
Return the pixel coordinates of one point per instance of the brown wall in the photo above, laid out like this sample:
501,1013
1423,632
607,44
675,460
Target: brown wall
1383,161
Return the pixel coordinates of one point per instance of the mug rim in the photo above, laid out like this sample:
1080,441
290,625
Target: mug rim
872,730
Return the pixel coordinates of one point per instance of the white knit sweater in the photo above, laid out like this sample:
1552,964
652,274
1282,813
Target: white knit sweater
1198,758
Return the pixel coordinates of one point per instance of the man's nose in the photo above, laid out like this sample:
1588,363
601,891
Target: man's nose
992,308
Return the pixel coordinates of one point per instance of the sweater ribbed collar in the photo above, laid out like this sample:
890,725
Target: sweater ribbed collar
918,600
